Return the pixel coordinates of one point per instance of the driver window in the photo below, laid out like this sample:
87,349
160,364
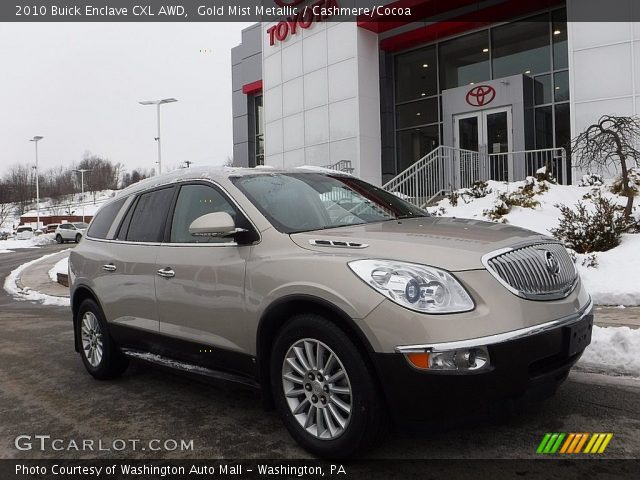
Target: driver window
193,202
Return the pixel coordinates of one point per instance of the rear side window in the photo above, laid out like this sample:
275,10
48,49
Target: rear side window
149,217
101,223
193,202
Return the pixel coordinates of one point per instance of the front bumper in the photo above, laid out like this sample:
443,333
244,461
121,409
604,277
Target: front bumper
526,364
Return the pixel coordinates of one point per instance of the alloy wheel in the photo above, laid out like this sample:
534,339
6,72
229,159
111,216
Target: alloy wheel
317,389
91,335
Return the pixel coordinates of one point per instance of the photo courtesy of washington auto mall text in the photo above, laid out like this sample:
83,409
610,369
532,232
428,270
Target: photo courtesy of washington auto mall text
360,239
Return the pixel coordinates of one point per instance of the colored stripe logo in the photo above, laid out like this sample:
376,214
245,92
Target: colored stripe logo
572,443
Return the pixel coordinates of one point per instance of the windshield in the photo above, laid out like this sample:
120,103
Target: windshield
298,202
80,226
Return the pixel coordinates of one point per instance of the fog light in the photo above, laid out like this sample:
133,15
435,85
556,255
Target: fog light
460,360
419,359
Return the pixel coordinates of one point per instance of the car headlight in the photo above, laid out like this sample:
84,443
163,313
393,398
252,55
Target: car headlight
417,287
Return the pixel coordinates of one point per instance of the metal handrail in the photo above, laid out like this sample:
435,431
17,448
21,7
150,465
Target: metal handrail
341,166
448,168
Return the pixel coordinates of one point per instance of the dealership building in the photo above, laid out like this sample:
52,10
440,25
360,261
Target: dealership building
381,95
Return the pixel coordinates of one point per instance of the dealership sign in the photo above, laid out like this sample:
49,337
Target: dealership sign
481,95
304,18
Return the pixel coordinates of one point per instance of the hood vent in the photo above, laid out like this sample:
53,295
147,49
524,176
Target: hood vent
337,243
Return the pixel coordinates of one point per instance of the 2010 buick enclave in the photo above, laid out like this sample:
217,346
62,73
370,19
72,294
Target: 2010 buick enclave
346,304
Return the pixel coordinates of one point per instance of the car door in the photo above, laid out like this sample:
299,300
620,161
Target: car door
65,231
200,283
127,285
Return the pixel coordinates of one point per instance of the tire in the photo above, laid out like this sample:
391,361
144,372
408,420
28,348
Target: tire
91,331
362,425
78,238
59,239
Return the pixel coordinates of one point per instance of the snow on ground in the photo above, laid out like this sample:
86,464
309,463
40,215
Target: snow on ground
7,246
11,287
72,204
540,219
614,351
61,267
615,281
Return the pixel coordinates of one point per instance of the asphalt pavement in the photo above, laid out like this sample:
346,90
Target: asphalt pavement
44,390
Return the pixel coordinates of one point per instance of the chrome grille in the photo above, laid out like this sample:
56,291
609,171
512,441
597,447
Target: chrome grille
542,271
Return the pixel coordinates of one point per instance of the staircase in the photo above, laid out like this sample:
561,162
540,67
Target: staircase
445,169
341,166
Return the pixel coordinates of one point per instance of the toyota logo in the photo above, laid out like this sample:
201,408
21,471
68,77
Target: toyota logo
481,95
553,266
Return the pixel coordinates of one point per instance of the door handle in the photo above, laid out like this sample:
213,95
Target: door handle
166,272
109,267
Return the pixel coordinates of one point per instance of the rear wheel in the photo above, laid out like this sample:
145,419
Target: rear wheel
100,355
59,238
323,389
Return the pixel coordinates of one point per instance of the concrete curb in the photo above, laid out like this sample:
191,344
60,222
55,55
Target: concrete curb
36,277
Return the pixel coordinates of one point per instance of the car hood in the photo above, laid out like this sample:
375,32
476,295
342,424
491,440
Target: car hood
451,243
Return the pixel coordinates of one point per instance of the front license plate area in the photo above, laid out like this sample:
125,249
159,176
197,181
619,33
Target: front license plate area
579,335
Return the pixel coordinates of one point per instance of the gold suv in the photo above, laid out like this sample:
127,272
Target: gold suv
348,306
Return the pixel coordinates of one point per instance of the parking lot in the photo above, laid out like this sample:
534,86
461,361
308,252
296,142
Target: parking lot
44,390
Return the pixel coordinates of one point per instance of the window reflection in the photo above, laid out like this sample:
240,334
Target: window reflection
464,60
521,47
416,74
417,113
559,38
414,144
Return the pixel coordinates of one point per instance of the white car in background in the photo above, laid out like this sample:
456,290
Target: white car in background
70,232
24,233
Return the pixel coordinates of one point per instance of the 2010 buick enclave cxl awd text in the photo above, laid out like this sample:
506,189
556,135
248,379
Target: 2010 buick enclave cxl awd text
347,305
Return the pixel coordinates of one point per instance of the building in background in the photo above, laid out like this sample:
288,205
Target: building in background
383,95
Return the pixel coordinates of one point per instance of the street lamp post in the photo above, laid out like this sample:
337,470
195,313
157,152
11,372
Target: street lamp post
158,103
82,170
35,140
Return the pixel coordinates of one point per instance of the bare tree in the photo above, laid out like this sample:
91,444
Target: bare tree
6,208
610,142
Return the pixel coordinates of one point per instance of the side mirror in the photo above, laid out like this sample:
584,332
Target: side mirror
217,224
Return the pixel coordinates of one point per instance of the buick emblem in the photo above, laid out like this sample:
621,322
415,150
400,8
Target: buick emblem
553,266
480,95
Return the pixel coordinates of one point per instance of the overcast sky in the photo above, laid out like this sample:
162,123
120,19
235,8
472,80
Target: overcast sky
78,85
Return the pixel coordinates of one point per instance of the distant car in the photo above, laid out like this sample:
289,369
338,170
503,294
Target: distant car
51,228
4,235
24,233
70,232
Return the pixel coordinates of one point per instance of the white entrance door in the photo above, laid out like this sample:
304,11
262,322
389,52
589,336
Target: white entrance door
489,133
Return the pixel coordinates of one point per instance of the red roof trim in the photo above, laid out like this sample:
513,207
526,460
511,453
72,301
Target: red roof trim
252,88
420,9
463,23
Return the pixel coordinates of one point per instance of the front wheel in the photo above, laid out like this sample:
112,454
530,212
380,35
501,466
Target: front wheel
101,356
59,238
78,238
323,389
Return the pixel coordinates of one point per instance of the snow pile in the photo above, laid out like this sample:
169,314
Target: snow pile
11,287
616,278
61,267
540,219
11,244
72,204
613,350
